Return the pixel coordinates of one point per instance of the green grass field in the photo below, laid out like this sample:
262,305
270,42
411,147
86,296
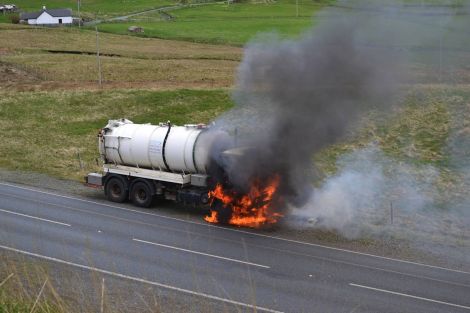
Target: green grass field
98,8
223,23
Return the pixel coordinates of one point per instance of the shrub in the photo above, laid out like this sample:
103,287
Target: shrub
15,19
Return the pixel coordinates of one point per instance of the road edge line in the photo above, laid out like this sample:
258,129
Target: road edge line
141,280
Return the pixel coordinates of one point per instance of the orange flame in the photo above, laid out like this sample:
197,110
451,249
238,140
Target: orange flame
250,210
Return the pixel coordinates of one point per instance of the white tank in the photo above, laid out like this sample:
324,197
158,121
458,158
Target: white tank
165,147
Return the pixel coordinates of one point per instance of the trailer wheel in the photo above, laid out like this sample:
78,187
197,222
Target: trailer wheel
116,190
224,213
141,194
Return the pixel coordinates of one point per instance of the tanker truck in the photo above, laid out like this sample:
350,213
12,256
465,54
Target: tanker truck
142,162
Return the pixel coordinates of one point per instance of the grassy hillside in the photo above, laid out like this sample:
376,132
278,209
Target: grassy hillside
225,23
58,126
65,124
419,133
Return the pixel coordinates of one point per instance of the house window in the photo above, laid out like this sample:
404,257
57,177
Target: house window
60,21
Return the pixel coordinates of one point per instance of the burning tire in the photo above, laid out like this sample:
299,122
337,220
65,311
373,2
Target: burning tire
224,213
253,208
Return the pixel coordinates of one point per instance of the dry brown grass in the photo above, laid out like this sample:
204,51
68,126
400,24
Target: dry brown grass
83,68
125,60
34,39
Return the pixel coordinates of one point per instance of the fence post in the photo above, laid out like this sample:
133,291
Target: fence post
98,55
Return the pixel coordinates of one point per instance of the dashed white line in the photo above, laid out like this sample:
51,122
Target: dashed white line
200,253
242,231
410,296
280,250
35,218
140,280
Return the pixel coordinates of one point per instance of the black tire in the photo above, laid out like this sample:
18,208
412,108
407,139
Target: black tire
224,213
141,194
116,190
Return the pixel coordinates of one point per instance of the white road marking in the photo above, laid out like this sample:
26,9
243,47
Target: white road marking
411,296
200,253
245,232
35,217
275,249
376,268
140,280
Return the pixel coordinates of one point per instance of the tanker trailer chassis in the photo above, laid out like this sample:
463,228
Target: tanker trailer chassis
141,186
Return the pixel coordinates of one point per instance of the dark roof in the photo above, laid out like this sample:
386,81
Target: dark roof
52,12
27,16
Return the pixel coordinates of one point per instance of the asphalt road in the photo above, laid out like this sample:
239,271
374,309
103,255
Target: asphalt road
236,267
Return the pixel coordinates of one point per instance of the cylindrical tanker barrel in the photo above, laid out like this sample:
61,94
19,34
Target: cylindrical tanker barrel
161,147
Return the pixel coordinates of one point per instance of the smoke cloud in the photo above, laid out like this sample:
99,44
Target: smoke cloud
430,212
296,97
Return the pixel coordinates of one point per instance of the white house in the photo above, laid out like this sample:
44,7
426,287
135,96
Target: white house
47,17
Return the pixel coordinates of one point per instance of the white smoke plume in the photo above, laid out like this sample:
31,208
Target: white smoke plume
374,196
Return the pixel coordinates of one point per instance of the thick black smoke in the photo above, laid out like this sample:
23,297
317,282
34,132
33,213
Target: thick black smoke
295,97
